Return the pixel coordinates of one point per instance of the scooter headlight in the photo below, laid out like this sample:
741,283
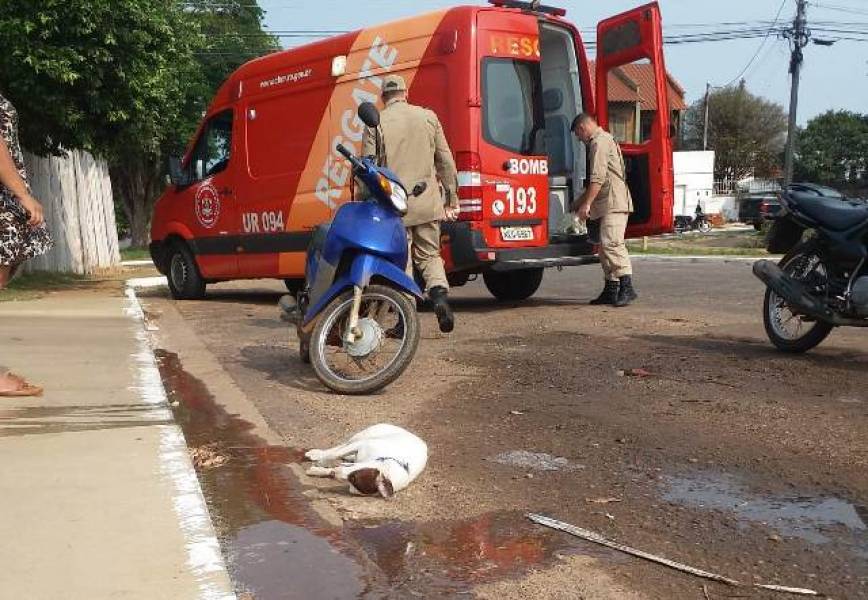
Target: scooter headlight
399,199
396,193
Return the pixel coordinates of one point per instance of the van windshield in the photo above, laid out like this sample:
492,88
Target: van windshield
512,110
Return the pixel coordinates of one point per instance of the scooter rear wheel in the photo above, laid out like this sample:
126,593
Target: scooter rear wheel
390,327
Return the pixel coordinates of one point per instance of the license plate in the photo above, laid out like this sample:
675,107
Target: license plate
516,234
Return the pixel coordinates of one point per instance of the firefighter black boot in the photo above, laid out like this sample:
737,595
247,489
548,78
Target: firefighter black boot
439,297
609,295
627,293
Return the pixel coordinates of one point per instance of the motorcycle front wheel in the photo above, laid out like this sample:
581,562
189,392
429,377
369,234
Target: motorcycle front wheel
389,328
788,330
704,226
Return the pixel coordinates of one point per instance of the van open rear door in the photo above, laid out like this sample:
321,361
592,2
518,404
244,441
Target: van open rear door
630,60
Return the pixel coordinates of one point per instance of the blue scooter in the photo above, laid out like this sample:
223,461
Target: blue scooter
357,323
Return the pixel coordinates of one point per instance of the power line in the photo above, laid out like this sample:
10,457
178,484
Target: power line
761,46
838,8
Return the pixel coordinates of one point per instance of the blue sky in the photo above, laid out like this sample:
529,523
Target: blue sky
833,77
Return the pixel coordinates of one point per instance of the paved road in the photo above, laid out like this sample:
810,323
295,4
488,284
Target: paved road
729,456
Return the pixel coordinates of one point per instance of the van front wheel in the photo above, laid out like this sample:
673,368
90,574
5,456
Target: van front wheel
185,281
513,285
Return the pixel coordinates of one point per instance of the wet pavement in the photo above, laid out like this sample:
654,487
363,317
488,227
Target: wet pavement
815,519
277,548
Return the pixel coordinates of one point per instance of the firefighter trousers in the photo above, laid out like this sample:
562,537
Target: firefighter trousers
423,242
613,251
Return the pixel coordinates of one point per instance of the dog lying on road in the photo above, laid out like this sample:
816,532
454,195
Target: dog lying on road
381,460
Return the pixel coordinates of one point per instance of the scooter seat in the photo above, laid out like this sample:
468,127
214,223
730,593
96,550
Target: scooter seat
834,213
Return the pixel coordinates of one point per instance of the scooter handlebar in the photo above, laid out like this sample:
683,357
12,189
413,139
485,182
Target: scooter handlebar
349,156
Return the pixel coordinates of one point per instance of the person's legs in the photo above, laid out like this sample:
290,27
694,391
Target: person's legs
426,257
9,382
612,229
621,269
609,295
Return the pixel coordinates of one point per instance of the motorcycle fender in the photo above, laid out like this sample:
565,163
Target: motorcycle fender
362,270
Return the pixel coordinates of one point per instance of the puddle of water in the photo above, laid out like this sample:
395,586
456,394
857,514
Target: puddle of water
535,461
818,520
455,555
310,568
276,547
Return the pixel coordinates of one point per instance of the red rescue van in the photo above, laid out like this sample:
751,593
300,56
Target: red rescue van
506,80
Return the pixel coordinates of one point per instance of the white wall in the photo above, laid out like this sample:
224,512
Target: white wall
694,181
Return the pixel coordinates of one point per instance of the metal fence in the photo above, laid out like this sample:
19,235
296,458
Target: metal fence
733,187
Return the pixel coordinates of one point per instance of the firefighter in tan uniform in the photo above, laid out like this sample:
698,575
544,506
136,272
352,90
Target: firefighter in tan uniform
414,147
608,200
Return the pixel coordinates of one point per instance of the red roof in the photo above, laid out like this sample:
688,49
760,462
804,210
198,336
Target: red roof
635,83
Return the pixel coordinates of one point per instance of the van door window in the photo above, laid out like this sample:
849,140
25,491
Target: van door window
214,148
512,105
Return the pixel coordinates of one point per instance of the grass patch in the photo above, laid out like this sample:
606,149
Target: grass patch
135,254
718,243
33,285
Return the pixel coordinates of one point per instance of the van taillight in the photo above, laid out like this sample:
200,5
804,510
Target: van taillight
468,161
469,186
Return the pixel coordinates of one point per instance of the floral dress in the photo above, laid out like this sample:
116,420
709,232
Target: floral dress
18,240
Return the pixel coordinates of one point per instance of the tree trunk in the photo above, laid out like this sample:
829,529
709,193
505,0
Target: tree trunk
138,183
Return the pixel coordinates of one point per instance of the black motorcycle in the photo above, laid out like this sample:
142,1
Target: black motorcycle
699,222
822,281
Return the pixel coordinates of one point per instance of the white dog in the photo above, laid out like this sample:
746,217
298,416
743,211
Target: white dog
383,459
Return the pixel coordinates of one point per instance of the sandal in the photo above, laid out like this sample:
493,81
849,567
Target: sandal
25,388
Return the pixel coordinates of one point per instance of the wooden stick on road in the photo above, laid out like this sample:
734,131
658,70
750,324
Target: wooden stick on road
590,536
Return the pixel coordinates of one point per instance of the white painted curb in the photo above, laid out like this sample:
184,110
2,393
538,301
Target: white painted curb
203,549
137,263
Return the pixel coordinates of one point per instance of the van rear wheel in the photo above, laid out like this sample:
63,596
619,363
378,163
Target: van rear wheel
185,281
513,285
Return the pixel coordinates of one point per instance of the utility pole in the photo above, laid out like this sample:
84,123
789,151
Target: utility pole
799,37
705,127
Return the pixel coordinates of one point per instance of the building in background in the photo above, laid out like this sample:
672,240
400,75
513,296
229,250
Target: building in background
633,102
694,183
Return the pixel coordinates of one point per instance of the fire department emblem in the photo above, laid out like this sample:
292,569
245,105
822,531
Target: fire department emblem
207,206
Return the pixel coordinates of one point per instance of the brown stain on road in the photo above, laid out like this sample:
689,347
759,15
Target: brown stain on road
277,547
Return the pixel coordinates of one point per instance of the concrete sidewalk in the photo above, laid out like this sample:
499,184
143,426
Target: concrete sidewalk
98,498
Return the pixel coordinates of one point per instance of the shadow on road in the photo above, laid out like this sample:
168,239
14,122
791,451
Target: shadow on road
822,357
282,365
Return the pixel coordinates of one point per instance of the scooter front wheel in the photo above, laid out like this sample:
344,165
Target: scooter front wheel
385,343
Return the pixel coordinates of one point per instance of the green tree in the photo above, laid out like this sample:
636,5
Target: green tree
746,132
833,149
125,79
229,33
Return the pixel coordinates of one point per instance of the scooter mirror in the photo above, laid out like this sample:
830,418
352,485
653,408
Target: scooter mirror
369,114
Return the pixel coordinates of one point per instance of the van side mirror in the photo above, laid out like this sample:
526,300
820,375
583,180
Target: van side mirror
369,115
178,176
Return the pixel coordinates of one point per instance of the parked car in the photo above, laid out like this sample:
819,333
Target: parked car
757,207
